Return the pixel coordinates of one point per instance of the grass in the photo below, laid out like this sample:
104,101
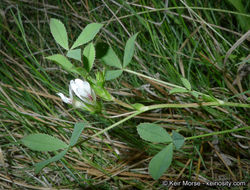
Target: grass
187,40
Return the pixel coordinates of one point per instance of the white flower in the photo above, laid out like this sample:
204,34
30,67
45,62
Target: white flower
82,90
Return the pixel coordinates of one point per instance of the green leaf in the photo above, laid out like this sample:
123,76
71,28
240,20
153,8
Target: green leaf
129,50
102,92
59,33
89,56
237,4
43,142
178,90
88,34
74,54
161,162
63,61
153,133
138,106
208,98
81,71
100,79
186,83
178,139
242,20
39,166
111,59
195,94
77,132
216,113
110,75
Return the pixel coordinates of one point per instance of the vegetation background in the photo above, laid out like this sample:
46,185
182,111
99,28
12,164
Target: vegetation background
206,42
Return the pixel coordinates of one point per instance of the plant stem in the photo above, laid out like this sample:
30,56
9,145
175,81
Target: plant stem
118,123
156,80
163,82
191,105
146,108
110,127
217,133
122,103
196,105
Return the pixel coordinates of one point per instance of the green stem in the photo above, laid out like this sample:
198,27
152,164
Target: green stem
162,82
191,105
122,103
156,80
217,133
110,127
118,123
196,105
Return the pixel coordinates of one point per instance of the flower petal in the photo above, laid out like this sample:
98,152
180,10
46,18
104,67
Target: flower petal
83,84
79,104
64,98
74,87
82,89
